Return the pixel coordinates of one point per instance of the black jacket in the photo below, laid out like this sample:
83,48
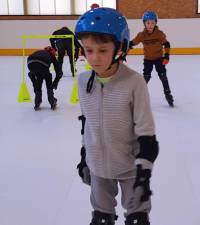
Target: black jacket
45,58
67,41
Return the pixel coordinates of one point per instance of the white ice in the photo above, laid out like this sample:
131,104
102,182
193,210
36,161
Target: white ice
39,150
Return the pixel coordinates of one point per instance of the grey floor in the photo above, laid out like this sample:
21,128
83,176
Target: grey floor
39,151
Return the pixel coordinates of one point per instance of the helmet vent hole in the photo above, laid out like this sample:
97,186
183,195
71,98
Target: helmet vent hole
97,18
82,18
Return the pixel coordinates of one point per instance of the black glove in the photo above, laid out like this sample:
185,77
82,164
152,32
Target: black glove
83,169
55,83
56,80
131,44
143,180
59,74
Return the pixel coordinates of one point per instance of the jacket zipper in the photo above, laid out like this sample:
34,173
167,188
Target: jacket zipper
102,131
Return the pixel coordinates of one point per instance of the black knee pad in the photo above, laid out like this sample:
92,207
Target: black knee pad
100,218
137,218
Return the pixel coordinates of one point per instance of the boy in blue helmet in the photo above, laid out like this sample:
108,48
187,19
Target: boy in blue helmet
156,51
119,142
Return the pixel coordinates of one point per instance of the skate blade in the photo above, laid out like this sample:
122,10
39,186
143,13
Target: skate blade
37,108
54,107
171,104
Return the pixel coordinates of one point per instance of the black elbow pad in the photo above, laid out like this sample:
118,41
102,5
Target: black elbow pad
167,44
149,148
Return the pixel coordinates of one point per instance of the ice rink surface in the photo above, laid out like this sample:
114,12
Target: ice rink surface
39,150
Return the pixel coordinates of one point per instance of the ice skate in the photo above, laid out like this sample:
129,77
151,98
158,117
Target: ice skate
54,104
38,100
138,218
100,218
169,99
37,106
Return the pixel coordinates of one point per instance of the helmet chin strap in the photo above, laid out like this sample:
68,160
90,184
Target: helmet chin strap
116,60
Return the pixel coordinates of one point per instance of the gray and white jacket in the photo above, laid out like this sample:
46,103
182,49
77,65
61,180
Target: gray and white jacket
117,113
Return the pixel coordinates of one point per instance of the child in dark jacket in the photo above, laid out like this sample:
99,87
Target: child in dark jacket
156,51
38,64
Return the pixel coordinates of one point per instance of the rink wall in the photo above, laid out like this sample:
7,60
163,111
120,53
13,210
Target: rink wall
183,34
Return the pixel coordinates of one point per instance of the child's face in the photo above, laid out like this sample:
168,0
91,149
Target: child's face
98,54
150,25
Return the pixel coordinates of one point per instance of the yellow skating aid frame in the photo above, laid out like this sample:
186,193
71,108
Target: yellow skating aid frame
74,93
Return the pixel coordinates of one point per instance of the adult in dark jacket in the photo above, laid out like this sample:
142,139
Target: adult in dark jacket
39,69
63,45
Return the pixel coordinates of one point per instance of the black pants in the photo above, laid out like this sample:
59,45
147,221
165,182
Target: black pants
161,70
37,74
66,47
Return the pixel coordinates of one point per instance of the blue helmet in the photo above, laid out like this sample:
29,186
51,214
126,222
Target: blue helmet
149,15
105,21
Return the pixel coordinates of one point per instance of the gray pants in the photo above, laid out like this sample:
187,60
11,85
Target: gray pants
104,191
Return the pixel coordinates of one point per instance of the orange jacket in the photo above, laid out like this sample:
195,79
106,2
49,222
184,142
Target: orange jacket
153,43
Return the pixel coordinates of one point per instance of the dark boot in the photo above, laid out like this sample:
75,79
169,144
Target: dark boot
167,91
137,218
38,100
54,104
100,218
52,100
169,97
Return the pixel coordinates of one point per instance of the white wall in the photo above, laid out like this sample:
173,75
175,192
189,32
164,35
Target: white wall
180,32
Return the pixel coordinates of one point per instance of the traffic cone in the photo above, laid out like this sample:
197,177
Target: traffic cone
74,95
24,95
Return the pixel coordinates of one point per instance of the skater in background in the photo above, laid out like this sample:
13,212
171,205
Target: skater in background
39,64
119,141
156,51
63,45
